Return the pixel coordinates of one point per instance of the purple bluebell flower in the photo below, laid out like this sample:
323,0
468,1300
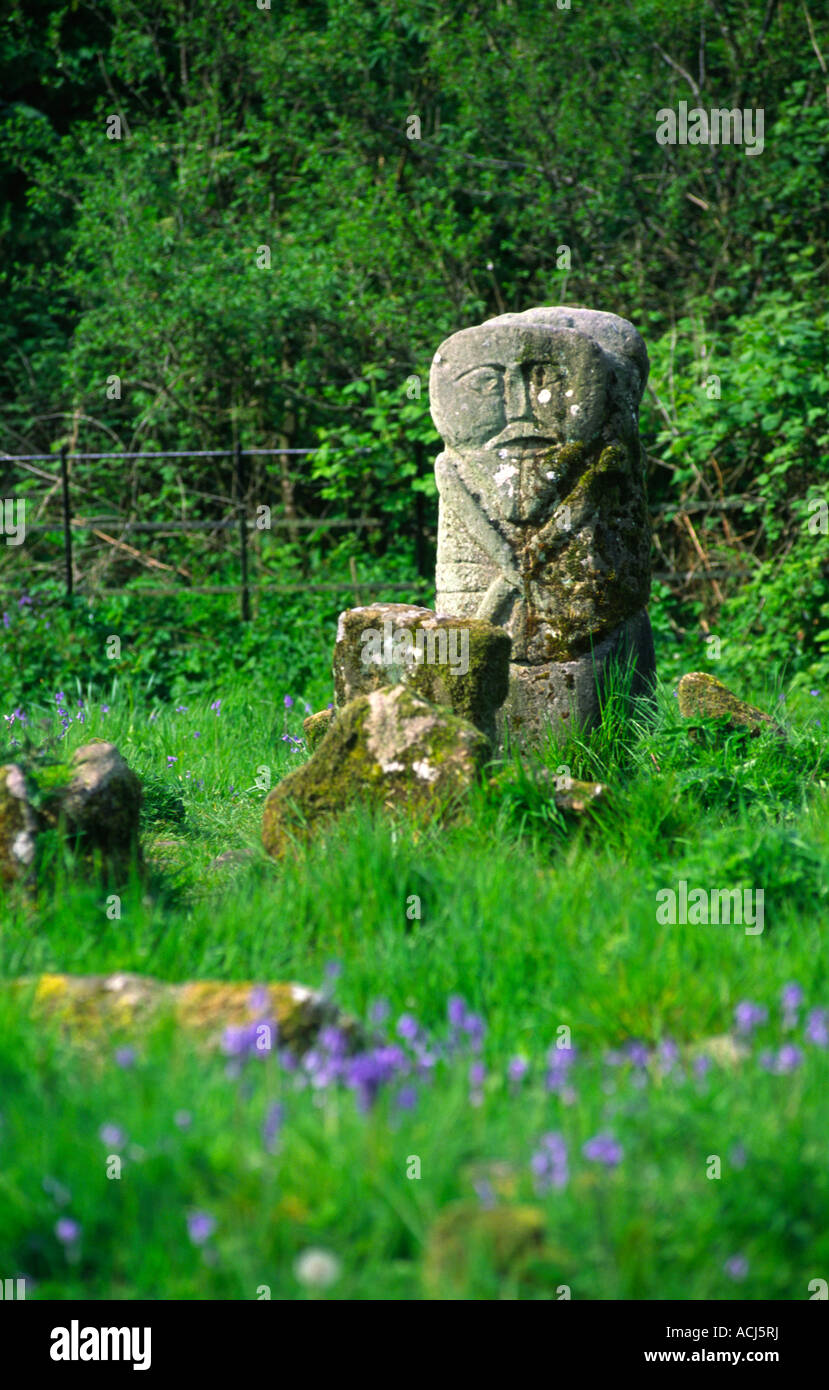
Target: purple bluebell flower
112,1136
816,1028
408,1027
368,1071
238,1039
603,1148
456,1009
549,1164
517,1069
253,1039
125,1057
559,1062
288,701
475,1028
67,1231
748,1015
736,1267
200,1226
379,1011
788,1059
259,1000
406,1098
272,1128
424,1060
791,998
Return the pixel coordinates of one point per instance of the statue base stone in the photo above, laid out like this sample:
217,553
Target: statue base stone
564,696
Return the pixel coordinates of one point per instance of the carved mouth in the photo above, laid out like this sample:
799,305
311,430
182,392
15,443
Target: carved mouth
524,443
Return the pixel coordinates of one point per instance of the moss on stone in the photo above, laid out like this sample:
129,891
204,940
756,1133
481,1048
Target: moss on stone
583,581
466,1234
316,726
478,693
18,826
387,748
93,1008
91,803
702,696
475,694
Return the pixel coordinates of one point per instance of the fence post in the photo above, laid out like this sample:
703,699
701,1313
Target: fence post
67,517
243,530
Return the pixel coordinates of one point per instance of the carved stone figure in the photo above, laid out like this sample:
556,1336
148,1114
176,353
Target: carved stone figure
543,523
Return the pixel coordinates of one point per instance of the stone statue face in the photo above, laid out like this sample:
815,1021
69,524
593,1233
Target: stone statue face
518,388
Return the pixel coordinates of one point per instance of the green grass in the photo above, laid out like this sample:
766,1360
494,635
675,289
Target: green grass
540,925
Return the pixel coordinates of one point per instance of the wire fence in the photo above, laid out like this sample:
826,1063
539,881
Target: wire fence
663,515
243,525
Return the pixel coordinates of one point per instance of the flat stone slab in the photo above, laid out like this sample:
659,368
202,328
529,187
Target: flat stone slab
92,1007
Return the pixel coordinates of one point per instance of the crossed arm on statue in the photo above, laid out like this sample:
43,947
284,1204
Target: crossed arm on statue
459,500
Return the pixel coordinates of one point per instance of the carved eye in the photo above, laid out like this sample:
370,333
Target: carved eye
484,381
545,380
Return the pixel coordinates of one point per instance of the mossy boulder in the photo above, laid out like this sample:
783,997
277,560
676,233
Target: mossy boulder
387,748
18,825
570,796
575,798
316,726
93,801
461,663
704,697
466,1236
95,1008
102,801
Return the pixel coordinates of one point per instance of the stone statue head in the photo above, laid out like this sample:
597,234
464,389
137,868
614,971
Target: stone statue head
544,377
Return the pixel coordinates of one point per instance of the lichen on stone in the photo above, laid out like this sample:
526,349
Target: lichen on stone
702,696
95,1008
369,755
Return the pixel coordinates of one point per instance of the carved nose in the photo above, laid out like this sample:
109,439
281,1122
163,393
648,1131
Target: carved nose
516,396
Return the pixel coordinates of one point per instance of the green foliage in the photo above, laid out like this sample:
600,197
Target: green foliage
290,132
